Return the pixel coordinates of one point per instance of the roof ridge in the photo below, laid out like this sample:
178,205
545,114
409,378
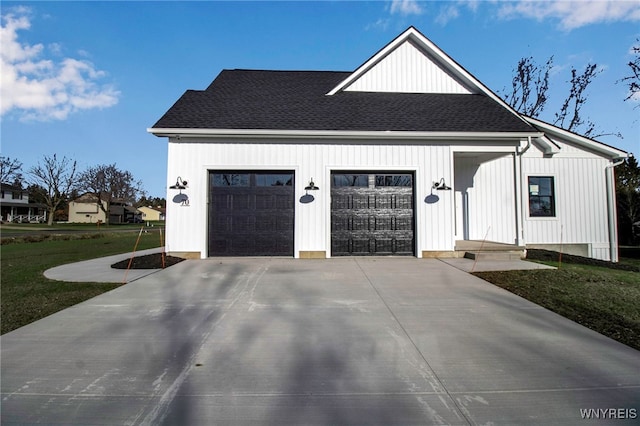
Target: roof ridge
287,71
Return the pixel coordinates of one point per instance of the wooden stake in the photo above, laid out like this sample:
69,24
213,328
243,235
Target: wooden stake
163,253
124,280
481,246
560,255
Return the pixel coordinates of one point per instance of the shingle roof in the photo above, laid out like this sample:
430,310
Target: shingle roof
297,100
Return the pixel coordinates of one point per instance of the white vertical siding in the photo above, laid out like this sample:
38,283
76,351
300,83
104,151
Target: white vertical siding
187,226
407,70
581,208
581,202
488,190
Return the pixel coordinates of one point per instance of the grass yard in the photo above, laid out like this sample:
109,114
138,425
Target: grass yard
602,299
26,295
24,229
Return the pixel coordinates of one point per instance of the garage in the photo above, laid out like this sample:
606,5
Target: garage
372,214
251,213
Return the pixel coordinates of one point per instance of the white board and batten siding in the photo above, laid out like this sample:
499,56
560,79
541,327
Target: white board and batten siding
485,198
407,69
192,161
580,200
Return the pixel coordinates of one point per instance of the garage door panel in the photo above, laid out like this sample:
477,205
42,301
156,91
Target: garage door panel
251,213
373,215
239,201
284,202
265,223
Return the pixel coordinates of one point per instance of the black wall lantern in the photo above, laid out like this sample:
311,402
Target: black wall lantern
441,186
180,184
182,199
312,186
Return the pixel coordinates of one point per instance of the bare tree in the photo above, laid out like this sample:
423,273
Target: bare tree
53,179
569,117
10,170
529,87
633,80
529,95
107,183
628,200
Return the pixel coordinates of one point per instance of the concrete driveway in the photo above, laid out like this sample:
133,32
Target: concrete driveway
339,341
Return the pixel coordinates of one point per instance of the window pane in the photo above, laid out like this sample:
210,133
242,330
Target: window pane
541,196
230,179
349,180
393,180
272,179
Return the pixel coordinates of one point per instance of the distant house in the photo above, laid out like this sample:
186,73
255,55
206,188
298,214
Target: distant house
152,213
15,205
85,209
409,154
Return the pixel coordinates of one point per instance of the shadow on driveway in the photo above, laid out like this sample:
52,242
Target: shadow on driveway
284,341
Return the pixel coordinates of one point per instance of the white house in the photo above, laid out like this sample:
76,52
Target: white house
153,213
407,155
16,207
85,209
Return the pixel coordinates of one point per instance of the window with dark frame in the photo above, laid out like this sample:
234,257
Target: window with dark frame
542,201
346,179
394,180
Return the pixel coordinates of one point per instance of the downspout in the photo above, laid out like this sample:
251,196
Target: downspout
611,209
519,198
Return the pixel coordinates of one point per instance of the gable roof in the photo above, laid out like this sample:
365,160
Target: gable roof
410,88
297,100
430,69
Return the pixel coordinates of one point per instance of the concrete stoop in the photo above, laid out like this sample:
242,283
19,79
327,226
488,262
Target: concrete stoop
495,255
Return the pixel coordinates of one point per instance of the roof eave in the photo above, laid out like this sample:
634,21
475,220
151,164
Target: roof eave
339,134
593,145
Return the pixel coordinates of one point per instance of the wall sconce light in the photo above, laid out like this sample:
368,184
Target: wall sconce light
180,184
312,186
181,198
441,186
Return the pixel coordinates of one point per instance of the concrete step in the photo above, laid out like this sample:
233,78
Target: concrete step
494,255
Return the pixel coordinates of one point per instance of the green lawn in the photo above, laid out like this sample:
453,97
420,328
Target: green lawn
13,229
26,295
603,299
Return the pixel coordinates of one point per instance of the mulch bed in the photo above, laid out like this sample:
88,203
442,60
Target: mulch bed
150,261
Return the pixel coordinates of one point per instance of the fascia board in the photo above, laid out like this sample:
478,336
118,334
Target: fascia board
575,138
335,134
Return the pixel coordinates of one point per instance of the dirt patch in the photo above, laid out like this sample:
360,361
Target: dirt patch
552,256
150,261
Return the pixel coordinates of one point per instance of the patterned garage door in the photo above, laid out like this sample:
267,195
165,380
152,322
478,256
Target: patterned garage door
372,214
251,213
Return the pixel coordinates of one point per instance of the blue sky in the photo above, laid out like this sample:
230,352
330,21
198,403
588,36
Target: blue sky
86,79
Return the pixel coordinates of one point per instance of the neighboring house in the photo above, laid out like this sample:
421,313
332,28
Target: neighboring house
15,206
85,209
407,155
152,213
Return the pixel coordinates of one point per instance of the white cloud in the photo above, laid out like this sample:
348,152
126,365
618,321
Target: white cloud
39,88
380,24
573,14
405,7
447,14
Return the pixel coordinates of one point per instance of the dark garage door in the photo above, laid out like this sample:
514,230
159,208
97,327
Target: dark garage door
251,213
372,214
